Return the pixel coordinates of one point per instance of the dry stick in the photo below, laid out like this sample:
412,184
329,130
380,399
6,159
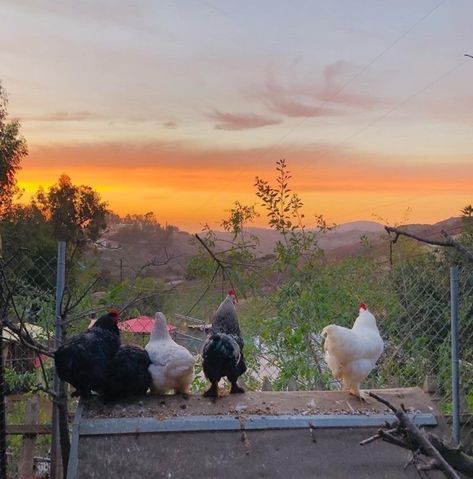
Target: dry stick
420,437
448,243
377,436
453,455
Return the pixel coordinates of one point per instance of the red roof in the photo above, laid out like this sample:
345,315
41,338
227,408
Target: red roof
141,324
37,361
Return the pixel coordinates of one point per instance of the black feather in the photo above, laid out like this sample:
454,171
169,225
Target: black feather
82,361
223,349
127,374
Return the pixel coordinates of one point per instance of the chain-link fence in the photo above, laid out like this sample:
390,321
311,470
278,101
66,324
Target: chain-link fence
27,287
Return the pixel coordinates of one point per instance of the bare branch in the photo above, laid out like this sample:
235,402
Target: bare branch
205,291
202,242
156,263
458,246
448,243
415,439
70,307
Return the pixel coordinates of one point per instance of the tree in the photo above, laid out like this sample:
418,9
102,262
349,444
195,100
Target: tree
76,213
284,212
12,149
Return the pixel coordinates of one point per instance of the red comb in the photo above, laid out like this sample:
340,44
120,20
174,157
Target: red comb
115,313
363,306
231,292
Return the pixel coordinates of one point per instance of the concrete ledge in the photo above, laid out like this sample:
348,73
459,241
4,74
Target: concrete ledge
264,403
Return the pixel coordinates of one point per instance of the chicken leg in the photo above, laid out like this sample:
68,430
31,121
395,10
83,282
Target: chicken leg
212,392
235,389
355,391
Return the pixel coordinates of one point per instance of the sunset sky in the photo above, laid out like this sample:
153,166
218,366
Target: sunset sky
174,106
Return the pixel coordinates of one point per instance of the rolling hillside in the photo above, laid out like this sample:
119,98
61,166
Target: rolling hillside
126,257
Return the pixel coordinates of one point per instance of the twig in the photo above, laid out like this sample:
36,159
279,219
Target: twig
202,242
205,291
156,263
377,436
312,428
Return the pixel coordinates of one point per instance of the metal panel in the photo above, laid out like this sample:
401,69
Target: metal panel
91,427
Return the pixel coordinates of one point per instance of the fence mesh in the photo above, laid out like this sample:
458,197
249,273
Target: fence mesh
465,333
27,286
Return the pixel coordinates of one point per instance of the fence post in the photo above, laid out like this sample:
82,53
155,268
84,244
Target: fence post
26,463
56,464
455,355
3,423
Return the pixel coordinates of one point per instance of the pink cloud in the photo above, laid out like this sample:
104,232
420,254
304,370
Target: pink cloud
240,121
309,99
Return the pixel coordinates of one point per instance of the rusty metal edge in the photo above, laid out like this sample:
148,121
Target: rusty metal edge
98,427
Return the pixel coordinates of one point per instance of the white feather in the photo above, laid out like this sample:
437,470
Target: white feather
351,354
172,365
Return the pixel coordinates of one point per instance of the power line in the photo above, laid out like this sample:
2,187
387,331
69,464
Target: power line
340,90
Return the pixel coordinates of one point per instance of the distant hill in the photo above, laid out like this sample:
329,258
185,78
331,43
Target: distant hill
347,234
342,241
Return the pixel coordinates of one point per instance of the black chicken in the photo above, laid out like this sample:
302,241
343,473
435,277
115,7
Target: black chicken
127,374
83,360
223,349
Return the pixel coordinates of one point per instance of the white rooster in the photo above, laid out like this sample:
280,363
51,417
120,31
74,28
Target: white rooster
351,354
172,365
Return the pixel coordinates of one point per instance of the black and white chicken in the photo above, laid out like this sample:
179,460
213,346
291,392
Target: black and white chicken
223,349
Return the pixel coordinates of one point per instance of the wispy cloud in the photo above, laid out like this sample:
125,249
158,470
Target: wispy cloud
336,81
62,116
170,125
315,97
240,121
136,16
293,108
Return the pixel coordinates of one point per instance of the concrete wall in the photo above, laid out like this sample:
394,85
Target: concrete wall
288,454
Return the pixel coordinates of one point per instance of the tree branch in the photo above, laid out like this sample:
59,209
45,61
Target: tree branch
70,307
220,264
448,243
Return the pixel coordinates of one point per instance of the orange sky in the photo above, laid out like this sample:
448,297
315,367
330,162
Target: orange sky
189,186
175,107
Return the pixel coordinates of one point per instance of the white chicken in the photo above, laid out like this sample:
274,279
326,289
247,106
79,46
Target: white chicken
172,365
351,354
